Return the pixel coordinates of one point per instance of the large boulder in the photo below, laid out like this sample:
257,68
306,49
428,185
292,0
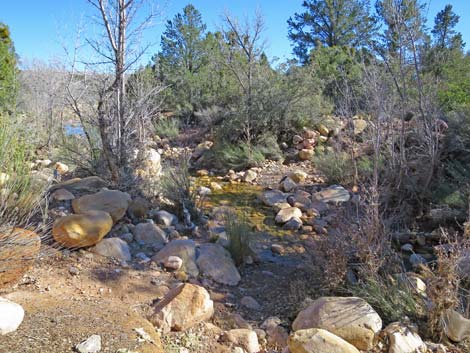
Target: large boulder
62,195
18,251
316,340
88,184
149,234
245,338
113,247
113,202
350,318
185,249
214,261
306,154
286,214
82,230
11,316
182,308
273,197
403,340
334,194
456,327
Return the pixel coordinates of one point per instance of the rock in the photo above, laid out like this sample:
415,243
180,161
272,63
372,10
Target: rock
173,263
61,168
138,209
250,303
306,154
276,334
82,230
91,345
214,261
43,163
62,195
182,307
277,249
165,218
149,234
215,186
185,249
456,327
113,247
359,125
296,139
294,223
298,176
407,248
19,249
202,173
403,340
204,191
347,317
416,260
245,338
323,130
11,316
286,214
287,184
273,197
280,206
250,176
201,149
334,194
318,341
151,162
89,184
309,134
111,201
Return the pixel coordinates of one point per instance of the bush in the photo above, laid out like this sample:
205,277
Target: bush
239,232
237,156
167,127
337,167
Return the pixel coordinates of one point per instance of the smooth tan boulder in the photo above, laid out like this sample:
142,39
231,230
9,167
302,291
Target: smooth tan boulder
185,249
182,308
306,154
82,230
110,201
88,184
350,318
456,327
62,195
18,251
318,341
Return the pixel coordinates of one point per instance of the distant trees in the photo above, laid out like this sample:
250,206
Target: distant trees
330,23
445,35
8,70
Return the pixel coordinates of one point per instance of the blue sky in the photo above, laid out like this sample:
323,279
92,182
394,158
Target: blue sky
39,28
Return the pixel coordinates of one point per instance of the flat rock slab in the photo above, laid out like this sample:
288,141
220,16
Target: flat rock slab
334,194
215,262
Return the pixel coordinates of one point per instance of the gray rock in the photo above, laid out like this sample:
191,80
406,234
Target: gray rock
165,218
287,184
113,247
293,224
245,338
416,260
185,249
91,345
456,327
287,214
214,261
250,303
334,194
149,234
11,316
273,197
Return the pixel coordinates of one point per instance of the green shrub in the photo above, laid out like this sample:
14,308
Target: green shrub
238,231
167,128
237,156
337,167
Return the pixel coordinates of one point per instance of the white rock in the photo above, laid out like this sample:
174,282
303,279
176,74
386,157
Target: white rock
287,214
245,338
403,340
11,316
165,218
91,345
173,263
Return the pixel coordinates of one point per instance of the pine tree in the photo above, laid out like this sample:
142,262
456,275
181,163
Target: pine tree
8,70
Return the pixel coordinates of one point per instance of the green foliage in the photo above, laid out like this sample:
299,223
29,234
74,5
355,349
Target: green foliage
239,231
338,167
331,23
237,156
167,127
8,71
454,93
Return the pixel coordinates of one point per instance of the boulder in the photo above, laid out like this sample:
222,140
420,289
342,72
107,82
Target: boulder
62,195
294,223
149,234
61,168
11,316
19,249
113,202
316,340
201,149
276,334
306,154
250,303
298,176
82,230
182,308
250,176
350,318
185,249
88,184
138,208
456,327
334,194
173,263
215,262
403,340
359,125
323,130
91,345
287,184
165,218
286,214
244,338
113,247
273,197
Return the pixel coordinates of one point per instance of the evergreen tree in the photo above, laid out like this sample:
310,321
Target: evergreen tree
445,35
8,70
331,23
